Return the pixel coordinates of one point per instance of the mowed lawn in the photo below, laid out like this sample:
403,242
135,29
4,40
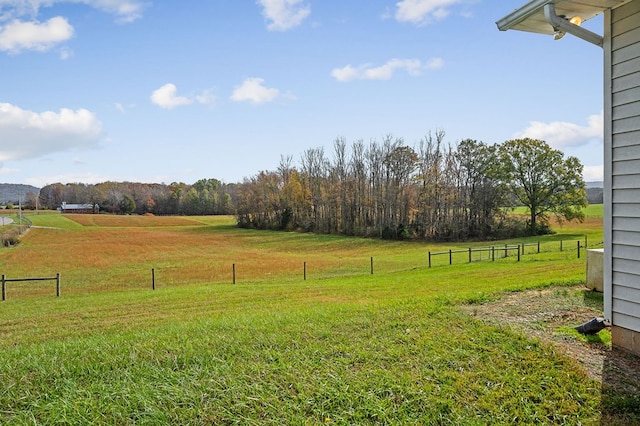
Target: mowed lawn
350,344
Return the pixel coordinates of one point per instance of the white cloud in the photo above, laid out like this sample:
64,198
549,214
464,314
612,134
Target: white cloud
384,72
21,30
66,53
284,14
254,91
422,11
17,35
206,97
27,134
560,134
435,63
125,10
593,173
123,108
167,97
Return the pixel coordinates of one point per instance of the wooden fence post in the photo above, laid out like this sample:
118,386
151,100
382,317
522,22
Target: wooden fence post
58,284
234,273
153,279
371,265
429,259
493,253
4,288
578,249
450,258
304,271
469,254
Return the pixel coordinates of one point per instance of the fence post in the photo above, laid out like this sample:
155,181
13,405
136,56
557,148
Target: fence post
58,284
4,288
493,253
153,279
585,241
469,254
519,253
234,273
429,258
371,265
538,246
304,269
578,249
560,245
450,258
506,254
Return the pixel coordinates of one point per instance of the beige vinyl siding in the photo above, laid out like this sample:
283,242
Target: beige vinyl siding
625,167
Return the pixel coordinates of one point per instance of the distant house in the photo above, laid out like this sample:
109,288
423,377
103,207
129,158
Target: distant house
89,208
621,47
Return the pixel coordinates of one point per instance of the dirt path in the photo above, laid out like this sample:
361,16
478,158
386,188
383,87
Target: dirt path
542,314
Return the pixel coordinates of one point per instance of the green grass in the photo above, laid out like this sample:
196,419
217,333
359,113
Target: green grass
591,211
342,347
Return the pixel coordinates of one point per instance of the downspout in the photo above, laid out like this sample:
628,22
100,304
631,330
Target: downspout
562,25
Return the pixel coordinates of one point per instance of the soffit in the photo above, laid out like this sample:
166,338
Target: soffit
530,17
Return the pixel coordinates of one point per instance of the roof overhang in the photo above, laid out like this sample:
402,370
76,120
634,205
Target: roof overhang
531,16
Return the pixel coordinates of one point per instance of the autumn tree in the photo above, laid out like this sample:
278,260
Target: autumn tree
541,179
481,191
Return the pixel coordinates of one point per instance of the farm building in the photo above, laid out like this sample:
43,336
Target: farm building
67,208
621,45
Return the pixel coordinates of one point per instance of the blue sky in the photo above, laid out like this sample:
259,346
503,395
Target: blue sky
176,91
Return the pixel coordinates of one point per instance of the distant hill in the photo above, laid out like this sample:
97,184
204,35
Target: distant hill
15,192
595,184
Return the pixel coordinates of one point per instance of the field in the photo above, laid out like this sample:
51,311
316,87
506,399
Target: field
316,329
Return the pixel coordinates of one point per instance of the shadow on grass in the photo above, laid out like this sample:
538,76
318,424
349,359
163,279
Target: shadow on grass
620,388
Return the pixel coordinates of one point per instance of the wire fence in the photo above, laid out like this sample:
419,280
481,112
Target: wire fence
491,253
232,273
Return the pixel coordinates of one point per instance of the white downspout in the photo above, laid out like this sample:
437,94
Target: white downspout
564,26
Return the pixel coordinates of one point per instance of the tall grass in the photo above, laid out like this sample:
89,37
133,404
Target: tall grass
342,347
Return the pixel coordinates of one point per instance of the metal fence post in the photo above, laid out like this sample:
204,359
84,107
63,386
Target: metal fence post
578,249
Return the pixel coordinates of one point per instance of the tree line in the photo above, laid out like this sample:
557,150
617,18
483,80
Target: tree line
431,191
205,197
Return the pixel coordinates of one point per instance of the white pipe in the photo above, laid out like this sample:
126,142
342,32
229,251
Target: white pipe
563,25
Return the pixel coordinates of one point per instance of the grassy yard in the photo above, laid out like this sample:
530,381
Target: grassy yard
344,346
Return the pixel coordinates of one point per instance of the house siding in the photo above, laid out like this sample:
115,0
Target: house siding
624,153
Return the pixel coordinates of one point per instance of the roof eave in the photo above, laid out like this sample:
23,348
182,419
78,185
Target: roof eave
530,17
520,15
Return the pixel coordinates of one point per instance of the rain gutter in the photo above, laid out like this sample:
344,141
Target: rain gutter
562,25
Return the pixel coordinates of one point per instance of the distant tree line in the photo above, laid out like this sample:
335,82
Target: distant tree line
433,191
205,197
